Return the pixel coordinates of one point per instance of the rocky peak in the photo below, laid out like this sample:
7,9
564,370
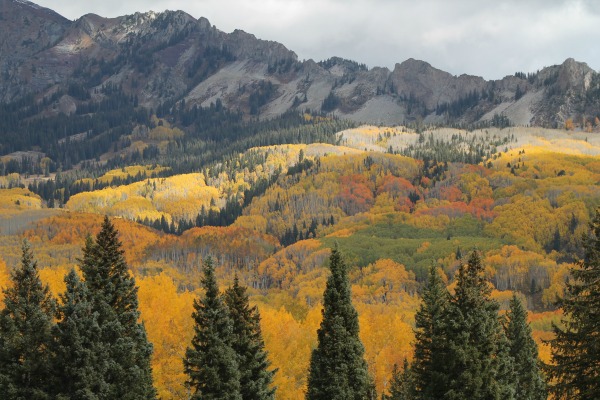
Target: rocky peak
91,24
573,75
246,45
416,67
420,81
172,19
204,24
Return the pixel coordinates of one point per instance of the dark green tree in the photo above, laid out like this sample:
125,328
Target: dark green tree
255,377
575,369
113,296
477,365
211,363
402,385
26,334
529,382
428,365
81,359
338,370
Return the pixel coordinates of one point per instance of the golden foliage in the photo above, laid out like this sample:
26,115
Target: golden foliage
527,221
5,281
167,317
20,199
253,222
289,342
180,196
67,231
387,334
384,282
55,279
280,270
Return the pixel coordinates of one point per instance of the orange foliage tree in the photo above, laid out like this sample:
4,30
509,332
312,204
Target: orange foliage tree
356,194
166,314
5,281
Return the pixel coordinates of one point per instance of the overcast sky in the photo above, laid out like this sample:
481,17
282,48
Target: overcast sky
479,37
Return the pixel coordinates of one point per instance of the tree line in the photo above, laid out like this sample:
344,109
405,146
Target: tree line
91,345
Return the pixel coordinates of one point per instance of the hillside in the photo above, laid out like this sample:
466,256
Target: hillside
394,201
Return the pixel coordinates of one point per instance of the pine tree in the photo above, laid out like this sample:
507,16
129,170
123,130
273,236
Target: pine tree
211,362
247,342
576,347
26,334
530,384
477,365
430,340
338,369
402,385
80,358
113,295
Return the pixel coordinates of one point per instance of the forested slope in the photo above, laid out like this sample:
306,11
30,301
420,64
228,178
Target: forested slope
522,198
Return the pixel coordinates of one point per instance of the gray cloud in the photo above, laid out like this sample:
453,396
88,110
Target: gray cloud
487,38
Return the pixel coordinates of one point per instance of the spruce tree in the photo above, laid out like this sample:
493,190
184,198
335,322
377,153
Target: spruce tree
247,342
81,359
402,385
575,369
477,365
26,334
113,295
430,340
338,370
211,363
529,382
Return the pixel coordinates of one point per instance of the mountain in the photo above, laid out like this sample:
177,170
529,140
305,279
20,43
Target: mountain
51,66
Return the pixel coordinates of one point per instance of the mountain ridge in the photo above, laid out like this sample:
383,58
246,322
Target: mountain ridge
168,57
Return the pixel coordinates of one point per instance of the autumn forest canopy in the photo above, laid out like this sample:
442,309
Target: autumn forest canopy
270,253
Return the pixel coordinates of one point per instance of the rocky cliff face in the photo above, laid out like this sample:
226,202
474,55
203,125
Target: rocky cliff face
163,59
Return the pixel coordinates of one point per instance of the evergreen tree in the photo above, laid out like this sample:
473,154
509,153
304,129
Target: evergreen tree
477,365
430,339
113,295
247,342
529,383
80,358
576,347
402,386
338,370
211,362
26,334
